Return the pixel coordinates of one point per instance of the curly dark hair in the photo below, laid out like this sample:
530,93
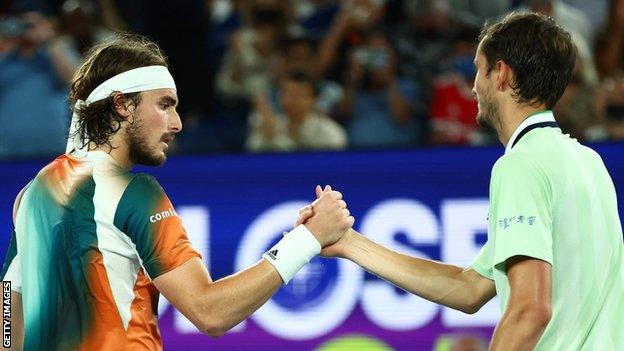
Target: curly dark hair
99,121
540,53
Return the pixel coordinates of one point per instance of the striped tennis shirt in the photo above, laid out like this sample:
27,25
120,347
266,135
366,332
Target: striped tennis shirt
89,238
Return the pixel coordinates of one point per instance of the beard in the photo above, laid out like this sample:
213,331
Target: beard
489,114
139,150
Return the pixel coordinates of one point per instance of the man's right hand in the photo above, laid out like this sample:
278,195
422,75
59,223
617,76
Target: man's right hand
331,217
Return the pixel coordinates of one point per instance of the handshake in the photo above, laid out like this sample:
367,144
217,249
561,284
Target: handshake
323,227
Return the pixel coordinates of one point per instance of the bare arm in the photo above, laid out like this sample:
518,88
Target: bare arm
17,319
111,16
400,108
63,65
345,106
267,116
459,288
215,307
328,49
528,309
17,322
355,74
609,54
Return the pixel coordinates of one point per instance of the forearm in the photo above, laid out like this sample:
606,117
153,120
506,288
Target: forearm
267,116
400,108
441,283
111,17
17,322
518,330
329,46
62,64
345,107
228,301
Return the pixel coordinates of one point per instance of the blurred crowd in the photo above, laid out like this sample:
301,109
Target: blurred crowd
288,75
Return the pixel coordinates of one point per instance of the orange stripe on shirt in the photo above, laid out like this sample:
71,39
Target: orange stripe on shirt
106,330
143,333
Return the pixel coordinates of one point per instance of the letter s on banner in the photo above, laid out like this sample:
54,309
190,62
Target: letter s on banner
381,223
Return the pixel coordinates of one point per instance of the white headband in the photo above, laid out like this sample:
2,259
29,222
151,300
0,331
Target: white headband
132,81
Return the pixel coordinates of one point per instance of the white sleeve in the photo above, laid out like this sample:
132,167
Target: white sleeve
14,274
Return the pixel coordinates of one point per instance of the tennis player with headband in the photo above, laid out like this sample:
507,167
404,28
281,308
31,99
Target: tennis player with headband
94,244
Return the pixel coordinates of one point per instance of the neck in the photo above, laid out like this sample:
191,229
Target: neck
511,115
119,151
297,120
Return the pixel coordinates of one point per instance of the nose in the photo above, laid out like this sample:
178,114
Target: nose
176,123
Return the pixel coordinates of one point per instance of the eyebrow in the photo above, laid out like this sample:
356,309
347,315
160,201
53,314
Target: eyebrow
170,100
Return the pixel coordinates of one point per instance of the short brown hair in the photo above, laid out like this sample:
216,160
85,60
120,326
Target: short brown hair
302,77
99,121
540,53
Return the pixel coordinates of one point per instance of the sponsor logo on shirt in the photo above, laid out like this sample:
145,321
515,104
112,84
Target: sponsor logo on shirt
519,219
162,215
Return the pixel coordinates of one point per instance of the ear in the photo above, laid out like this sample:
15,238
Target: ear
505,75
123,105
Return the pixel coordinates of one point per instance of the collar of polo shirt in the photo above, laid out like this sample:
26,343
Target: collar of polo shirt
538,117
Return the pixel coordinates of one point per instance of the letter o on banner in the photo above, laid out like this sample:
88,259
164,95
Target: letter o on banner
311,322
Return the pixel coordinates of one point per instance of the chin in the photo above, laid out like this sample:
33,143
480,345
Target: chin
151,160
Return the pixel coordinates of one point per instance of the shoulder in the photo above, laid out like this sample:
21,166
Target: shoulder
142,181
323,121
142,196
142,189
18,200
517,164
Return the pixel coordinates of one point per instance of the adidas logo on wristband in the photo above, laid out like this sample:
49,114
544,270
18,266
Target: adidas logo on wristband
297,248
272,254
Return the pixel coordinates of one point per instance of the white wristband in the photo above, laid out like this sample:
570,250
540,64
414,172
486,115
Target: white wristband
294,251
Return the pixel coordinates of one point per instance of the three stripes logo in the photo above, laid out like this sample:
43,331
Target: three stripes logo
272,254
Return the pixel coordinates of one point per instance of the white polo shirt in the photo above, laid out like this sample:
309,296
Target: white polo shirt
552,199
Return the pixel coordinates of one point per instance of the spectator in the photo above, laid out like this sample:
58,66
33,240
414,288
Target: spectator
315,16
180,28
575,22
610,55
377,106
453,107
298,54
577,110
611,108
80,30
300,127
596,11
474,13
354,18
252,53
33,111
614,107
570,18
